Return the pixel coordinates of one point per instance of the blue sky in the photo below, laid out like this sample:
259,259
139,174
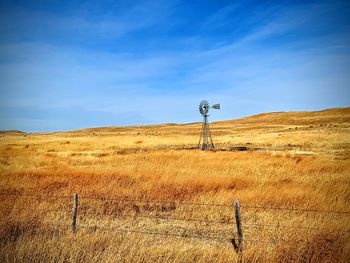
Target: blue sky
74,64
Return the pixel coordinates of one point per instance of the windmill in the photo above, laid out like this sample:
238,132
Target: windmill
205,140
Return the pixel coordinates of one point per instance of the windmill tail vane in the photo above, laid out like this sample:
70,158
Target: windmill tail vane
216,106
205,140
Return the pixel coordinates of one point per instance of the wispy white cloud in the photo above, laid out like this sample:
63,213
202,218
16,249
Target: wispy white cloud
111,23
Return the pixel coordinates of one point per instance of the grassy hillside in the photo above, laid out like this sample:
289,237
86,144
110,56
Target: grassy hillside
323,132
302,164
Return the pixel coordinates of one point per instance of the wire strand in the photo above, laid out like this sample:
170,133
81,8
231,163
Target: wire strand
33,209
165,218
41,196
208,237
293,227
295,209
183,203
154,201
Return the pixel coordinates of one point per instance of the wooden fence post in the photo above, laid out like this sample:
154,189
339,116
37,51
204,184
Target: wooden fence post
239,246
75,210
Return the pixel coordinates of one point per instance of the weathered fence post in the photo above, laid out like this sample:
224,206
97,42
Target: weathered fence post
75,210
239,246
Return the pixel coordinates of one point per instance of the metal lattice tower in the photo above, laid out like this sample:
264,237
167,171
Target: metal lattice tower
205,140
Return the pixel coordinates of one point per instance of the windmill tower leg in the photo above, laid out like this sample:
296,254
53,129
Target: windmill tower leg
210,141
206,131
202,138
205,140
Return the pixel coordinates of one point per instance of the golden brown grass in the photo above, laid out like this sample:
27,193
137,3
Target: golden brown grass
303,163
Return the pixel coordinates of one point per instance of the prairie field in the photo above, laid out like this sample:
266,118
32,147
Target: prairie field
146,194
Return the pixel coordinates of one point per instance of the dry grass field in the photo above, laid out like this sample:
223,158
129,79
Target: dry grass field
138,179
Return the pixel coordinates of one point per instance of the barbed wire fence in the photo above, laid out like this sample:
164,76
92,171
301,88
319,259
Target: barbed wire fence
235,225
